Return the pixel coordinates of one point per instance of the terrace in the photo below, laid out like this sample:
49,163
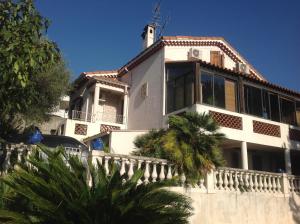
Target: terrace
246,193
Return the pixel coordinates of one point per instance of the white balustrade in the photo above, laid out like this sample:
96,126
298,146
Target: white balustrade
228,179
294,183
222,179
154,169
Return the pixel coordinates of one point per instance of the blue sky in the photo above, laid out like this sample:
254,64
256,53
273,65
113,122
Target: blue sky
103,34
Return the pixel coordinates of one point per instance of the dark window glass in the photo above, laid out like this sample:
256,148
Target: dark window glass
253,100
180,86
219,91
179,93
287,111
257,162
170,96
266,105
298,112
274,104
207,88
189,89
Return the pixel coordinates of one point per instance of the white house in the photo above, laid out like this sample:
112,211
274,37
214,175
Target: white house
183,73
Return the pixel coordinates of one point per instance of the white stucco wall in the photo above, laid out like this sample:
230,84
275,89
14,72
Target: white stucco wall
242,208
180,53
146,113
93,128
121,142
247,133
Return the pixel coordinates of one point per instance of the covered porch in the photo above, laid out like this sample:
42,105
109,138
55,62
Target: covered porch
102,100
250,156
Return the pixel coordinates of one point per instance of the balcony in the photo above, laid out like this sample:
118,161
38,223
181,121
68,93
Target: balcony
96,117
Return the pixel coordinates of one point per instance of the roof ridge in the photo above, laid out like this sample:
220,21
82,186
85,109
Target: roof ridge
101,72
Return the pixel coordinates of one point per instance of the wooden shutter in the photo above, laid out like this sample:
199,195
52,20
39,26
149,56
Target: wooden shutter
298,117
216,58
230,96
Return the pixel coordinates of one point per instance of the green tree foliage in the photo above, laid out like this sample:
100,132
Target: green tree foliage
27,62
191,142
50,191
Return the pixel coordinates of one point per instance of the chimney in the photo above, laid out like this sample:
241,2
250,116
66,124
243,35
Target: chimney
148,35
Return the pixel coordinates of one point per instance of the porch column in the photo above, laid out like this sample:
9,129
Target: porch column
96,98
87,107
244,154
287,159
125,106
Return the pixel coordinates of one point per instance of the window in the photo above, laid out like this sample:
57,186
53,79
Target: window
274,105
180,86
207,88
253,100
266,105
287,111
298,112
218,91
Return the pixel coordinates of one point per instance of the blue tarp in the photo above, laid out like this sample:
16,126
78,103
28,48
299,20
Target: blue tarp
35,137
97,144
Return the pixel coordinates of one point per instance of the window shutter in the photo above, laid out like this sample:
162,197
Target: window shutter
216,58
298,117
230,100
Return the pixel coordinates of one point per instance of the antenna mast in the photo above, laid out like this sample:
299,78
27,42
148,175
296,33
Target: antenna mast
156,20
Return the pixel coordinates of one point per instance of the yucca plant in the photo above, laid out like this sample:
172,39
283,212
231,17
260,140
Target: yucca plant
56,188
192,142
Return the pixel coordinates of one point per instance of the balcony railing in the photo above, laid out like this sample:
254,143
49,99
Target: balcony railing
81,116
94,117
220,180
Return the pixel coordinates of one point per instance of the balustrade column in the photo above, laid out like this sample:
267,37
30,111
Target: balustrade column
162,175
244,154
130,171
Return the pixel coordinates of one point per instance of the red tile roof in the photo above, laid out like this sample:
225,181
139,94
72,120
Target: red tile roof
112,75
188,41
252,78
108,81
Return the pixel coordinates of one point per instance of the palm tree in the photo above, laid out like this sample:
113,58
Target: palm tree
191,142
56,190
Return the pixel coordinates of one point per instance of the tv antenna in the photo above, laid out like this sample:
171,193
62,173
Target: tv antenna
157,22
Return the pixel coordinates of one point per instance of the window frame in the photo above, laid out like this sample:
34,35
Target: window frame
214,73
184,76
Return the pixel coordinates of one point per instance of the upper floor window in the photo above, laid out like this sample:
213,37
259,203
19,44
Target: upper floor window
269,105
218,91
180,86
287,111
298,112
